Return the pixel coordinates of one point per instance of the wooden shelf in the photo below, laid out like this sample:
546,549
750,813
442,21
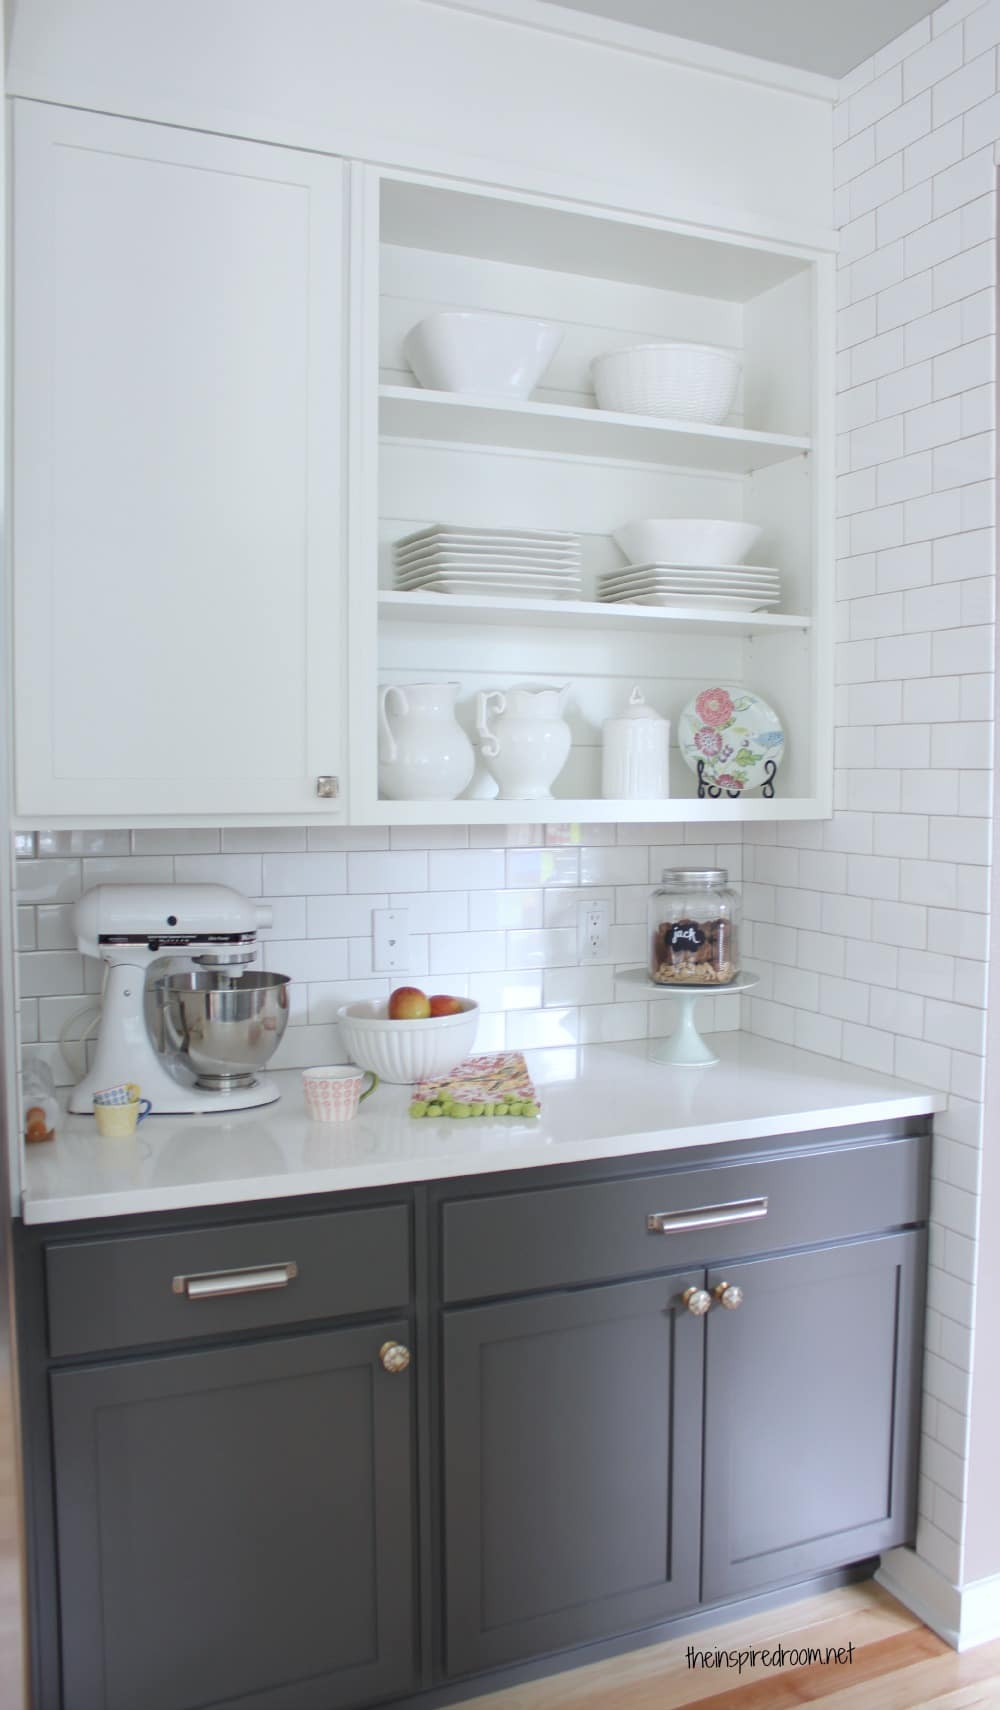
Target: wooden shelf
409,412
432,608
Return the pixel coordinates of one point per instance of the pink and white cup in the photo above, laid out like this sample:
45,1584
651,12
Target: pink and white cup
334,1094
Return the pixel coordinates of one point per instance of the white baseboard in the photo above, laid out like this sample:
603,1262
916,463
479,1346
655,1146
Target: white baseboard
963,1616
980,1613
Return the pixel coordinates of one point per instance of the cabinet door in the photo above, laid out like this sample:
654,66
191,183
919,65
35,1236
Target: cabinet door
811,1412
178,539
572,1468
235,1527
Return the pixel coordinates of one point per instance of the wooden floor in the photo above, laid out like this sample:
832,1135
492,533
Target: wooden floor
898,1664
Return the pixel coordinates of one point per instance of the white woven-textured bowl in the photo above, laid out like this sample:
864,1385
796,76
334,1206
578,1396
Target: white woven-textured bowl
405,1051
690,382
686,540
487,355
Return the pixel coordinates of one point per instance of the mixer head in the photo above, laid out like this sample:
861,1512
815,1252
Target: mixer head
135,923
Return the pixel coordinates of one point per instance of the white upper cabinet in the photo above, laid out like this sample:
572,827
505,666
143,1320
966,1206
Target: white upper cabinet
179,533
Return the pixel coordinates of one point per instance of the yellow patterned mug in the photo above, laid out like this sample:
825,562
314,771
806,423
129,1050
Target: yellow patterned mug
119,1110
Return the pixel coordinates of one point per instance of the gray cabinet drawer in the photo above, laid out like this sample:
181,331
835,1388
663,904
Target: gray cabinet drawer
560,1236
128,1291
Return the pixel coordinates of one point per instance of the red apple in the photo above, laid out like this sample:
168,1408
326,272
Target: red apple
409,1003
446,1005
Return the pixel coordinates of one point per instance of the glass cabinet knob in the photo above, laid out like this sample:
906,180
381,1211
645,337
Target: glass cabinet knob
697,1300
394,1357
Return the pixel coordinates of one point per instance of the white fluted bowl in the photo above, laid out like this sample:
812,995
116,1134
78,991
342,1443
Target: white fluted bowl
402,1052
690,382
687,540
481,354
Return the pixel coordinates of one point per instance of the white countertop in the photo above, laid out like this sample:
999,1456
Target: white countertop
598,1101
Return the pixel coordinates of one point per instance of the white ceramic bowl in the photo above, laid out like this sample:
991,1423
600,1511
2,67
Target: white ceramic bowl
686,540
405,1051
496,356
690,382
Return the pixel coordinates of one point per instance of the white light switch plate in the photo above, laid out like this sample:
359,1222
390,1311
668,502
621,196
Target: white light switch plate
391,940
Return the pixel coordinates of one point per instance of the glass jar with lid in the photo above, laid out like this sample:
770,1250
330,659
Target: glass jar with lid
694,920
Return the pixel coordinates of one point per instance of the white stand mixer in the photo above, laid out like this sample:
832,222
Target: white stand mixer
219,1027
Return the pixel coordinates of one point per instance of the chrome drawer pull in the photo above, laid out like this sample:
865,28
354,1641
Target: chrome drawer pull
212,1283
706,1216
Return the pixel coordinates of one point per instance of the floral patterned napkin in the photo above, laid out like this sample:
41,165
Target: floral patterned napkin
497,1085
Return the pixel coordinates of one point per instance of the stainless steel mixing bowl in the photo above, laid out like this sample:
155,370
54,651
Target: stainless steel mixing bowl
223,1028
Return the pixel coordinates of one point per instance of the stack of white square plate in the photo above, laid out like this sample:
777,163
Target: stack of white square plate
724,587
516,563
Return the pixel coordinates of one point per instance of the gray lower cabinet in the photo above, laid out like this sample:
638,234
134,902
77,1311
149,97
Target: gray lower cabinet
235,1526
223,1480
811,1412
572,1468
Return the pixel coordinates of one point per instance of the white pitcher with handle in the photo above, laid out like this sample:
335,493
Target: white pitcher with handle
424,754
527,745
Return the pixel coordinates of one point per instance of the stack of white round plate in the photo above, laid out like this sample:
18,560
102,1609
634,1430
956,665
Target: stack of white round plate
724,587
518,564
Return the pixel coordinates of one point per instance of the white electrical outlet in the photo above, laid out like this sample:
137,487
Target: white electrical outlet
390,940
593,921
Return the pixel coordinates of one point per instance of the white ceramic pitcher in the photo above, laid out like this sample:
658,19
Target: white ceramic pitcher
527,745
424,754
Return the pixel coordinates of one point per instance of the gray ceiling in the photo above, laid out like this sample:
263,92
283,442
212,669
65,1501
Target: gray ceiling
829,36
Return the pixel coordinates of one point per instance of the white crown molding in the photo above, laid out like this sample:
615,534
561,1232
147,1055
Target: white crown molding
651,44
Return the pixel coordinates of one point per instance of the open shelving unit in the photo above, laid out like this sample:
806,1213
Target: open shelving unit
558,462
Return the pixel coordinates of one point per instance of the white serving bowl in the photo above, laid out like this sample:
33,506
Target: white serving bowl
690,382
405,1051
487,355
686,540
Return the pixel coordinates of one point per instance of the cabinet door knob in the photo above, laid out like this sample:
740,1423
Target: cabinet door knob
327,786
394,1357
728,1295
697,1300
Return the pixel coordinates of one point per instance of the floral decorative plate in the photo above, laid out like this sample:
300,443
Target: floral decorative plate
735,735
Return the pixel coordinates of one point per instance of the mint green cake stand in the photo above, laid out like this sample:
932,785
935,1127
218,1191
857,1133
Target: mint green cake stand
684,1048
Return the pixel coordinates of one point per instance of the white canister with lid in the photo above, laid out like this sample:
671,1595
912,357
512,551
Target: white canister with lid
635,761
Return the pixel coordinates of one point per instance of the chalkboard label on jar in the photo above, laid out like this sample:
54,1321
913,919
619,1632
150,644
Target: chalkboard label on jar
686,936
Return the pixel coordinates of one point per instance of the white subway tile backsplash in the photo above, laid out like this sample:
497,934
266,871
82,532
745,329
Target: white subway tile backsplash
344,916
305,875
964,461
550,947
574,986
307,959
53,881
982,29
368,872
45,973
262,839
965,88
929,64
954,651
900,127
190,841
239,872
539,867
854,156
963,369
462,870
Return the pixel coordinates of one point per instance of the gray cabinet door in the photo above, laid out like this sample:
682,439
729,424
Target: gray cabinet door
811,1412
572,1458
235,1527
